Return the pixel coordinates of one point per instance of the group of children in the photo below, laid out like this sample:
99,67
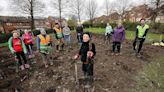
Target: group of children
19,47
22,46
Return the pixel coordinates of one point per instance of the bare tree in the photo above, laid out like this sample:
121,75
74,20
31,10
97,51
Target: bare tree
28,7
77,7
156,7
60,6
91,9
121,6
107,7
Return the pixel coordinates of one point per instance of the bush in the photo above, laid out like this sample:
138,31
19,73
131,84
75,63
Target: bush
97,25
72,24
5,37
86,24
130,26
157,27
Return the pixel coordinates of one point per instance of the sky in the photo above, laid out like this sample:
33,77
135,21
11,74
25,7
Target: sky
5,8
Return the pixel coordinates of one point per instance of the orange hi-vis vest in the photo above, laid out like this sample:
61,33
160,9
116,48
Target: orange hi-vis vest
43,40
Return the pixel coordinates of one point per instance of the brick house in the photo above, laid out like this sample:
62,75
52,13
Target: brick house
8,24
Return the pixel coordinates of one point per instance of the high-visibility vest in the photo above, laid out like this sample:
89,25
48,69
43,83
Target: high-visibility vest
141,30
44,43
59,32
43,40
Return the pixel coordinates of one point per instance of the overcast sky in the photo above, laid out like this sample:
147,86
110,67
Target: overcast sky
5,8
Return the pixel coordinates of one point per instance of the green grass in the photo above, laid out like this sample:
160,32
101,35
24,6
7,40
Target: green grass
130,35
151,78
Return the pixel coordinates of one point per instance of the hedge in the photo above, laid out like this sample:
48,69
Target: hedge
155,28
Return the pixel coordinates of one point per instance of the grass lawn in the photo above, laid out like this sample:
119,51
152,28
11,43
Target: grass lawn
129,34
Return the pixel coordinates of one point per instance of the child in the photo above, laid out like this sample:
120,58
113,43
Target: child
59,36
17,47
28,40
108,32
117,38
87,53
43,46
67,35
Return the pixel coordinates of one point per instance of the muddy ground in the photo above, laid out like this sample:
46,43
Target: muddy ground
112,73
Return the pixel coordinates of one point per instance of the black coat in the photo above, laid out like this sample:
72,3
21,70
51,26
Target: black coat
79,29
85,47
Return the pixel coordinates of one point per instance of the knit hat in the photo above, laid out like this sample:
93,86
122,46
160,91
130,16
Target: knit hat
89,34
42,30
15,31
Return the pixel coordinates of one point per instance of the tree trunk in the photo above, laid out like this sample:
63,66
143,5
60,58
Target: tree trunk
79,17
91,21
32,17
60,11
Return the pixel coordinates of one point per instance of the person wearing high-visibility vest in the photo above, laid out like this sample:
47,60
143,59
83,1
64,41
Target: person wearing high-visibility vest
141,32
59,36
43,46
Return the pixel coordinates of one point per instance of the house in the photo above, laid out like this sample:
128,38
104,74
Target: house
138,12
132,15
105,19
10,23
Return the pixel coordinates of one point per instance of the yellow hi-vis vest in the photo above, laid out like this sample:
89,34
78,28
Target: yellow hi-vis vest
58,32
141,30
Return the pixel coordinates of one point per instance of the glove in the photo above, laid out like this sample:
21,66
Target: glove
76,56
89,54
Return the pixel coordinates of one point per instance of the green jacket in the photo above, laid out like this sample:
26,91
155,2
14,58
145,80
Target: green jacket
11,47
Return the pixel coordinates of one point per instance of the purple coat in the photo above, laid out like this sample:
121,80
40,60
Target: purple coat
118,35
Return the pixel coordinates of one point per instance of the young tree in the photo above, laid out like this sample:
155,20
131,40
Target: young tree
121,6
91,10
107,4
28,7
60,6
77,7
